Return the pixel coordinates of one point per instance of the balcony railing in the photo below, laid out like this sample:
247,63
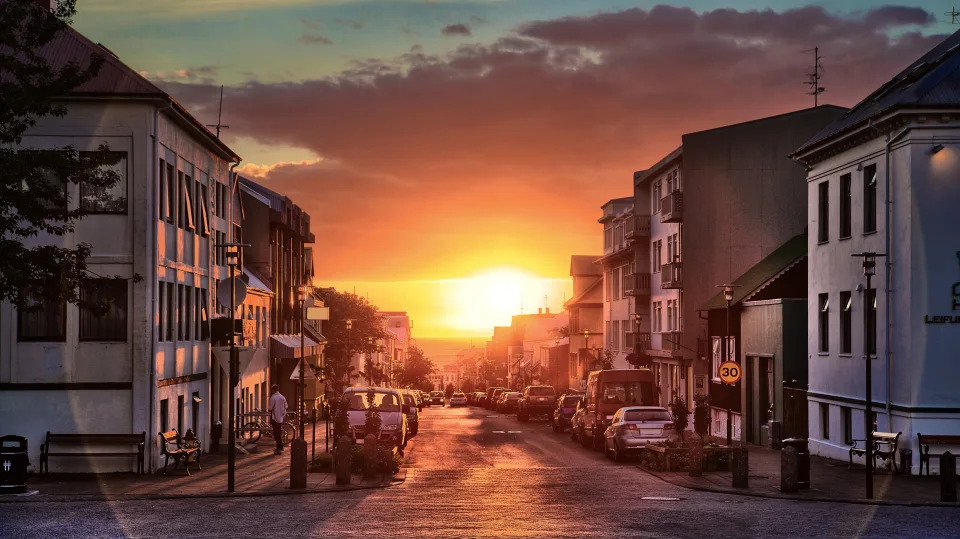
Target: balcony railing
671,275
636,284
638,341
671,340
671,208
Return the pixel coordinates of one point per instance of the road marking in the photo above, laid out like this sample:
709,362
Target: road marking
660,498
487,416
514,432
498,432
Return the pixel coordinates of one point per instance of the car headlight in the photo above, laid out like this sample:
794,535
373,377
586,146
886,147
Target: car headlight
391,427
609,418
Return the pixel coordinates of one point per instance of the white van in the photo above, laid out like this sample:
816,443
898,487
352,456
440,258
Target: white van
393,420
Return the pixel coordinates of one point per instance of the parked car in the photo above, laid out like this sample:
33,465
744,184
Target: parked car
536,400
576,421
495,397
424,398
482,399
458,399
411,411
393,429
563,412
492,396
634,427
436,397
607,392
477,396
509,401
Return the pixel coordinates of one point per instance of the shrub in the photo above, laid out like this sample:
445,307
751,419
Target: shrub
322,463
701,415
680,413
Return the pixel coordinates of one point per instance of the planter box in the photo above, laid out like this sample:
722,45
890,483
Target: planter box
673,459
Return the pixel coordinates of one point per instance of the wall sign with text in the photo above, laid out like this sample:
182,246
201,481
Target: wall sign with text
954,305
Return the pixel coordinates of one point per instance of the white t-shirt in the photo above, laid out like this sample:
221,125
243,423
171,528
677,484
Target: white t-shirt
278,407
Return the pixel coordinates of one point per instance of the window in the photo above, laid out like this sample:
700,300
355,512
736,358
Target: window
607,237
607,333
197,314
180,407
195,408
164,415
171,192
103,310
161,311
657,255
673,181
112,199
615,335
202,212
869,198
188,221
824,306
872,328
161,191
845,206
823,224
657,196
824,421
846,322
42,319
171,310
187,308
657,316
616,282
180,313
846,416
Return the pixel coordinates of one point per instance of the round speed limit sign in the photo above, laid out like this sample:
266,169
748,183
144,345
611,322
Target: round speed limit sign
730,372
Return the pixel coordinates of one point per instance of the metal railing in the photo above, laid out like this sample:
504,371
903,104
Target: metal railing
671,275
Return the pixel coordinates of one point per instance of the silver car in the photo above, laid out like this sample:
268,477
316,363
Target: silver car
633,427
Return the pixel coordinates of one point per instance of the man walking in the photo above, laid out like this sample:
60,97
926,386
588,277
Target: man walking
278,410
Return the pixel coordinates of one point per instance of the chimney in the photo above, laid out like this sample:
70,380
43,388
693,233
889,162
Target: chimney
539,310
547,310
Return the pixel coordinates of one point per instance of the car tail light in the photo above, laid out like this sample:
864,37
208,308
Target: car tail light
667,426
625,428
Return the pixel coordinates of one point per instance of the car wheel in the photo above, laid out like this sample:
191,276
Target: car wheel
573,434
584,441
598,441
617,453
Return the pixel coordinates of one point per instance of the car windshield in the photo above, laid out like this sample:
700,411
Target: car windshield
623,393
570,402
436,393
542,391
408,400
514,395
387,402
646,415
458,395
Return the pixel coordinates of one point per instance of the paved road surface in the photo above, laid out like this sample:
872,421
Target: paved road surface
473,475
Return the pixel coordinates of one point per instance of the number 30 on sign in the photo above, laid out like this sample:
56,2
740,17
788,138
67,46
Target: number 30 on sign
730,372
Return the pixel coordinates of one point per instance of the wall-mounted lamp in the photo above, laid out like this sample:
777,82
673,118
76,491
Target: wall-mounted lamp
859,167
936,148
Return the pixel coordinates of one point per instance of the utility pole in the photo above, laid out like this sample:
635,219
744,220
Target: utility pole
219,125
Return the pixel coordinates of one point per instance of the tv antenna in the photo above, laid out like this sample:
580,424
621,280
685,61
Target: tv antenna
218,125
814,78
954,15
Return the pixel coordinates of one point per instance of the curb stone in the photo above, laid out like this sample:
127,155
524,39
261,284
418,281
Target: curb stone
778,496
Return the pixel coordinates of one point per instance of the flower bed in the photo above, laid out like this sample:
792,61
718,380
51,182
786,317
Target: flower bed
674,458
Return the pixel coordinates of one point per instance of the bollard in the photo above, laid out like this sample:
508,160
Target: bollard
370,457
740,467
696,460
788,470
948,477
298,463
342,460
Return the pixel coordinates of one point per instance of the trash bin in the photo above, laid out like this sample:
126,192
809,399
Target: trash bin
216,432
906,460
13,464
803,460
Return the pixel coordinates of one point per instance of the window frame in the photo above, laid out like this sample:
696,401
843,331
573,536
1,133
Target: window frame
823,323
846,205
846,322
823,209
122,286
870,199
62,337
124,171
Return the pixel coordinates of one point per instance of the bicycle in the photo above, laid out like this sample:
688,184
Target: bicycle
251,431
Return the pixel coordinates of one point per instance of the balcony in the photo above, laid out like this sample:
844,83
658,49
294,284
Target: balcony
671,208
637,226
636,284
638,341
670,341
671,275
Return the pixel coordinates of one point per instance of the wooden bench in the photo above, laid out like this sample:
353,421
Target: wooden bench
926,440
172,446
884,447
83,443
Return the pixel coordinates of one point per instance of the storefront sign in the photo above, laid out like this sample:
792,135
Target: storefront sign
954,304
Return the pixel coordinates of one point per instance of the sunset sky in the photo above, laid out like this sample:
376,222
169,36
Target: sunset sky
453,155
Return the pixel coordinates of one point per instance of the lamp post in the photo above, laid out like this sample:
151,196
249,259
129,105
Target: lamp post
556,362
586,346
637,318
728,297
349,322
303,291
869,270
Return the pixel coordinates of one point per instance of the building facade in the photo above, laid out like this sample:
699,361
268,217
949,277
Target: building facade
618,266
584,318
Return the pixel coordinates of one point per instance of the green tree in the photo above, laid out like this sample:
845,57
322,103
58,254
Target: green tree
681,415
448,392
701,416
366,328
33,181
417,368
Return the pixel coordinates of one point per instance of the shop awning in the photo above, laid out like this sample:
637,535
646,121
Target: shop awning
288,346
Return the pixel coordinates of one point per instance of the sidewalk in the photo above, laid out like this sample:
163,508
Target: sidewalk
258,473
830,480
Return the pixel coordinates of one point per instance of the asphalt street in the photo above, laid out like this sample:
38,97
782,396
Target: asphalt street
475,473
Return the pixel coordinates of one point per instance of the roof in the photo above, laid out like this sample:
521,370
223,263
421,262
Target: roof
584,265
932,81
642,175
115,79
763,272
580,298
255,281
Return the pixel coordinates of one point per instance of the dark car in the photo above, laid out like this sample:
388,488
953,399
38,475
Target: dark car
509,402
436,397
566,405
536,400
607,392
411,411
492,396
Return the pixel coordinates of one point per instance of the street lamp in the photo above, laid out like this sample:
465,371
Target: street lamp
232,254
869,270
303,291
556,362
586,346
637,318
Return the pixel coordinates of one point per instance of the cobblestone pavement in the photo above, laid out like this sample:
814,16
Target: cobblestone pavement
472,473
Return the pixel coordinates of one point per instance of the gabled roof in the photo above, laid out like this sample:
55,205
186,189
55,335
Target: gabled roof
933,81
576,300
763,272
584,265
116,79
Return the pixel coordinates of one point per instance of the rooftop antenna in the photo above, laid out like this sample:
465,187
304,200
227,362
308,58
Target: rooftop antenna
546,305
814,78
218,125
953,15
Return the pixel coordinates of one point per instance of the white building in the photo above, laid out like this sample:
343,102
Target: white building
144,365
884,179
618,267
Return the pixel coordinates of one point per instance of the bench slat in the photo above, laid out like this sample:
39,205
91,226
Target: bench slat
95,454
